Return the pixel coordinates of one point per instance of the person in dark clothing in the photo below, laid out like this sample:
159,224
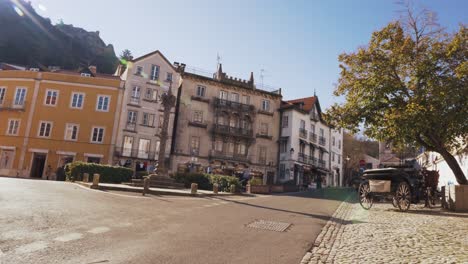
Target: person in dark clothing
319,181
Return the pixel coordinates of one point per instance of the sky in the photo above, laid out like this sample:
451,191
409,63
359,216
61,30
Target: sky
295,42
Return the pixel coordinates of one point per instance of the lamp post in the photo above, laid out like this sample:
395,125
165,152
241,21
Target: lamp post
168,101
347,169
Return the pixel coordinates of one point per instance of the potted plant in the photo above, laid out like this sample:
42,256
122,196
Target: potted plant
256,186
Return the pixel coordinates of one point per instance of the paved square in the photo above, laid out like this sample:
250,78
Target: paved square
269,225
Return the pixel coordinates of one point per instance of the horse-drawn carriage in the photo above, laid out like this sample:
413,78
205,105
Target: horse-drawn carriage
403,186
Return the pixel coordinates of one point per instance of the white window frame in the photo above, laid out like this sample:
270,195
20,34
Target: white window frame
195,114
3,90
144,153
246,99
108,102
266,105
24,96
285,121
18,123
223,95
82,102
169,76
134,118
137,70
154,75
92,133
66,129
47,94
201,91
235,97
50,130
148,118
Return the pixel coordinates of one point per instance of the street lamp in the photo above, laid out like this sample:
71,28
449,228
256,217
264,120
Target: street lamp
347,169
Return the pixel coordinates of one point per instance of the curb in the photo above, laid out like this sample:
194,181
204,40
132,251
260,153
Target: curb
321,251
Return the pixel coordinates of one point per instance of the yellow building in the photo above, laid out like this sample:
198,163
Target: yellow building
48,119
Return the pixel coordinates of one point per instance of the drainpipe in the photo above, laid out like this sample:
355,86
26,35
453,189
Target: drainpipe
279,144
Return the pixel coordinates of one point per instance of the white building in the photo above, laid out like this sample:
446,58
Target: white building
138,140
434,161
305,146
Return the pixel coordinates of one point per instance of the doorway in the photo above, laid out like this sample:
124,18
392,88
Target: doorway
37,168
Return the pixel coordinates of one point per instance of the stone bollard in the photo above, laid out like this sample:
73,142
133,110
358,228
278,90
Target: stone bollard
146,183
233,188
95,181
193,188
215,188
85,177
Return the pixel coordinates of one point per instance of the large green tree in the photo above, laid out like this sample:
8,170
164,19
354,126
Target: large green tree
409,86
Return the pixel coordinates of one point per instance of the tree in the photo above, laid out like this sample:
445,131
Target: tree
409,86
126,55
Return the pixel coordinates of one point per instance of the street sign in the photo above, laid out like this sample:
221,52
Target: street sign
362,163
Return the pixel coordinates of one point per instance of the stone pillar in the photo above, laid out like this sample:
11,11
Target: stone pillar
96,177
193,188
233,188
146,182
85,177
215,188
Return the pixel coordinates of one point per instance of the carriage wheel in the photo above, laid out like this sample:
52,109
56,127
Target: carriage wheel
365,197
403,196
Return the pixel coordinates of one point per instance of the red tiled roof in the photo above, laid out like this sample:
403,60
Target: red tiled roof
307,101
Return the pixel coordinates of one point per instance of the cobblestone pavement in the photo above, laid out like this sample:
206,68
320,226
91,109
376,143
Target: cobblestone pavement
385,235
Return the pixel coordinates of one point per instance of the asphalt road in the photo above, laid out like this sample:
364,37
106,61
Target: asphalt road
59,222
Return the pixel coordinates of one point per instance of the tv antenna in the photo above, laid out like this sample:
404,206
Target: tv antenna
218,60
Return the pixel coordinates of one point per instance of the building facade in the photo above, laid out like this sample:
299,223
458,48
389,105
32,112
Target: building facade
305,149
226,125
138,141
50,118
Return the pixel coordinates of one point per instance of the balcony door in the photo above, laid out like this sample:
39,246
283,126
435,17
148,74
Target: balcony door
143,148
127,146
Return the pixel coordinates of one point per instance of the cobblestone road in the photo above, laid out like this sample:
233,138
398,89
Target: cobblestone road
385,235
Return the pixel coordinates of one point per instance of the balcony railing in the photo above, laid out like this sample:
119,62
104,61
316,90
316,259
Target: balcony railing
130,126
312,137
136,153
322,164
233,131
301,157
229,156
134,100
322,141
302,133
12,105
222,103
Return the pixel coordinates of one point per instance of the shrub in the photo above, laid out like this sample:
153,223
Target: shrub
140,174
206,181
109,174
256,181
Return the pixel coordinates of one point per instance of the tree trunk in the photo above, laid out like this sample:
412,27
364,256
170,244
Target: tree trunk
454,166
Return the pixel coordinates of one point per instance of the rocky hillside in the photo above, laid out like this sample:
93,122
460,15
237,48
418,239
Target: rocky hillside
28,39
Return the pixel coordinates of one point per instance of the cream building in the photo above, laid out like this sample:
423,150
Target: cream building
138,140
226,125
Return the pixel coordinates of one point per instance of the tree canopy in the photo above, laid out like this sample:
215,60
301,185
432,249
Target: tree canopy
409,86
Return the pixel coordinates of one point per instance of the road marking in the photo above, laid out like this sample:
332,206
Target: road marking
99,230
69,237
31,247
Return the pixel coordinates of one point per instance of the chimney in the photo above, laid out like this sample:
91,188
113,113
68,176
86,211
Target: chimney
93,69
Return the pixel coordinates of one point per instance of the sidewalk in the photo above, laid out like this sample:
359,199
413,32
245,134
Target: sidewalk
385,235
154,191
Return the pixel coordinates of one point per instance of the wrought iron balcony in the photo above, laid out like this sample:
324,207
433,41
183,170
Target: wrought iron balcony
135,153
232,131
130,126
302,133
236,106
228,156
322,164
312,137
13,105
134,100
322,141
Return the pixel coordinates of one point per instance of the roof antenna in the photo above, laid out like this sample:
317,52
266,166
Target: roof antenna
218,60
315,95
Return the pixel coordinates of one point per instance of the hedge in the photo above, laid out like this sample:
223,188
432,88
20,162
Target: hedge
206,181
109,174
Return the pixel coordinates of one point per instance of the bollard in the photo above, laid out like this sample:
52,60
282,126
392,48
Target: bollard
215,188
85,177
193,188
95,181
146,182
233,188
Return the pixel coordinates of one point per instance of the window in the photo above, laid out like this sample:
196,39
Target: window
312,128
135,95
127,146
262,151
97,135
151,94
198,116
246,99
333,141
339,159
339,143
333,156
139,70
2,94
264,128
235,97
242,150
194,145
321,132
285,122
154,72
266,105
13,127
158,143
169,77
230,148
282,171
302,125
71,132
143,148
132,117
219,145
77,100
45,129
201,91
220,120
84,74
283,146
223,95
148,119
103,103
51,97
20,95
161,121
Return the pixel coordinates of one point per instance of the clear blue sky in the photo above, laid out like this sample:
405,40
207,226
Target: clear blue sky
296,42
